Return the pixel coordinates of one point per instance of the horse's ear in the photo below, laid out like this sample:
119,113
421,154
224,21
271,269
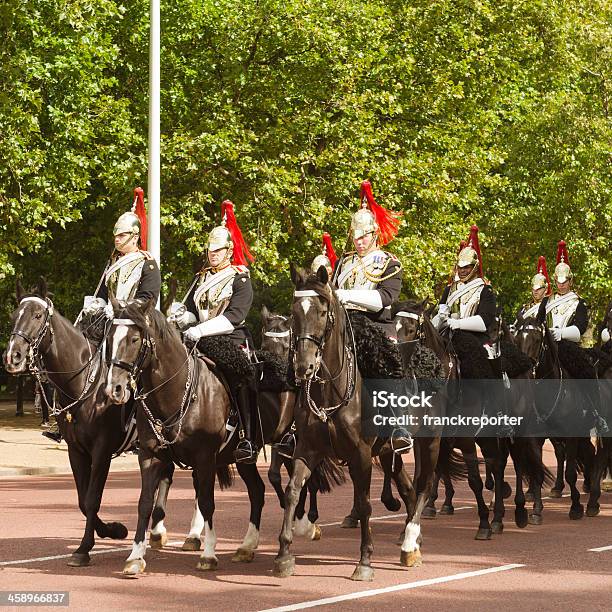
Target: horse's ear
149,306
41,288
323,275
296,277
423,305
170,296
265,313
19,290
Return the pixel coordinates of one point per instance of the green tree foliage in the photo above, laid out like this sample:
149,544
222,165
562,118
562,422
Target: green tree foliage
493,113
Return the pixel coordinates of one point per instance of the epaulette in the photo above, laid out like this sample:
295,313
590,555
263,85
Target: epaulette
146,254
391,256
241,270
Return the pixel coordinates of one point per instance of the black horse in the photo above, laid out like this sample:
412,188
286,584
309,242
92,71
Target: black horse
534,339
328,418
49,345
413,324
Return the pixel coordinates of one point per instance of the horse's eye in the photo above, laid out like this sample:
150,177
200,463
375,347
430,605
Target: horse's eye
135,339
38,315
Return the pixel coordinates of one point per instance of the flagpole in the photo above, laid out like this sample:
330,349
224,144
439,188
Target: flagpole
154,132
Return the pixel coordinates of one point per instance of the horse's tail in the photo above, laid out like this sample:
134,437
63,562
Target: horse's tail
327,475
529,461
225,476
450,462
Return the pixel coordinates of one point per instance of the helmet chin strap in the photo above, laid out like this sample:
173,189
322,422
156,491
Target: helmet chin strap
227,260
125,242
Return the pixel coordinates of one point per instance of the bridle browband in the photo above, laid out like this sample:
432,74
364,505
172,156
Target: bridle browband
34,343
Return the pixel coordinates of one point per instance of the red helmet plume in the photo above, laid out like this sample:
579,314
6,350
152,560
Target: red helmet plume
139,209
388,221
241,248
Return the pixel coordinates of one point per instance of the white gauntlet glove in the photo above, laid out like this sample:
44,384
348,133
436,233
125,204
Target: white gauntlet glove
92,304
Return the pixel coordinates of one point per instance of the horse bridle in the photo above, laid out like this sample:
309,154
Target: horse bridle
539,328
36,364
147,348
417,317
34,343
324,413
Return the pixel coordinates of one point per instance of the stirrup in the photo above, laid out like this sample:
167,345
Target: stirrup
601,426
402,443
56,436
286,446
245,452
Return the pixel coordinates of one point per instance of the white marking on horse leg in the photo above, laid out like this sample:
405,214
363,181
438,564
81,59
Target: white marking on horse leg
120,334
210,542
306,304
303,527
138,550
251,539
159,529
197,522
411,534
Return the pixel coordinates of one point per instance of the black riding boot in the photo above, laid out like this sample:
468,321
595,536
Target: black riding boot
594,406
246,398
286,446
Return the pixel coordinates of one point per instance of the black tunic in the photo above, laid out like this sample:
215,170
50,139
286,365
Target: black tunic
389,290
486,309
149,285
580,318
237,309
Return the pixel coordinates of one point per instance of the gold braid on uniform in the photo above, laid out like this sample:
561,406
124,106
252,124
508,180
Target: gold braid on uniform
380,278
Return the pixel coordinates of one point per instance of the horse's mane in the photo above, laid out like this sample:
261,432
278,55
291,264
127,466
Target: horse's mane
156,323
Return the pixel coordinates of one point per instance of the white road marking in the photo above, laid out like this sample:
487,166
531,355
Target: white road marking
394,589
104,551
386,516
600,549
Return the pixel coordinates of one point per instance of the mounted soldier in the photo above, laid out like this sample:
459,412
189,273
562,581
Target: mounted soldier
566,316
217,304
369,279
131,272
468,305
540,288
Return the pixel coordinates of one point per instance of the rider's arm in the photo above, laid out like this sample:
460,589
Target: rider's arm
150,282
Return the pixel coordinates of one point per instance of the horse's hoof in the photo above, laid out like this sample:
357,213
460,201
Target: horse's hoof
316,533
243,555
497,527
447,509
592,510
392,504
116,531
576,513
349,522
429,512
483,533
529,496
606,486
363,573
79,560
412,558
521,518
207,564
134,568
506,490
555,493
535,519
192,544
158,540
284,567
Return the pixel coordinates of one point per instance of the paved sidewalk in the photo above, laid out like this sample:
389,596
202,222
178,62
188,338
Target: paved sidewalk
25,451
